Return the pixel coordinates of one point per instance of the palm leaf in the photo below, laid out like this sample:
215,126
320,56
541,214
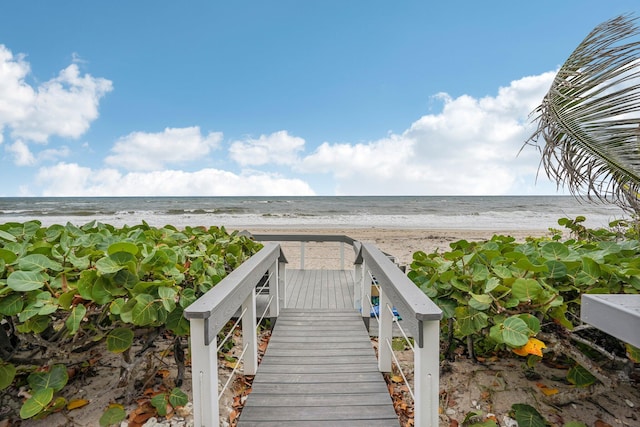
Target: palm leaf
590,118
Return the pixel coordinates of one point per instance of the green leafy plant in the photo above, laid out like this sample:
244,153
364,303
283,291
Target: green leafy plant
66,289
502,295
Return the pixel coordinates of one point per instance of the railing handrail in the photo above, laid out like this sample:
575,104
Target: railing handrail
402,290
304,238
220,303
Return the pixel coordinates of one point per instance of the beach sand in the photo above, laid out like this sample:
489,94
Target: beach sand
401,243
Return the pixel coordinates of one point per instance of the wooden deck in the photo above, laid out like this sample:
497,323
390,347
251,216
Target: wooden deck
325,289
319,368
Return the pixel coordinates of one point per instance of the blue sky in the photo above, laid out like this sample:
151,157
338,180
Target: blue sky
279,97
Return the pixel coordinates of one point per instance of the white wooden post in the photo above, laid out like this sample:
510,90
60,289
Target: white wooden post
357,287
249,336
274,307
204,376
301,255
341,255
365,294
385,325
427,375
282,285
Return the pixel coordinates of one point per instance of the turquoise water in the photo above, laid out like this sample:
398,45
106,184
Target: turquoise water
429,212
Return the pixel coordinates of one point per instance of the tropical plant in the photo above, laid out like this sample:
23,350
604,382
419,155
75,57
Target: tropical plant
64,290
589,119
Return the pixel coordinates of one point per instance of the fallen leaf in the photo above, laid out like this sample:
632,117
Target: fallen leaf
600,423
533,346
77,403
396,379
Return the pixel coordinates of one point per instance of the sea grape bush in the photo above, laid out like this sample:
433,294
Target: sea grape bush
66,289
496,294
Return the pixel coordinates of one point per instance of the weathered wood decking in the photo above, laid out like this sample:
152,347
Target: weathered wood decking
319,368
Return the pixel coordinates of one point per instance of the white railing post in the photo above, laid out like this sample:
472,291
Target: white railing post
301,255
427,375
357,287
204,377
249,336
274,307
365,294
282,284
385,332
341,255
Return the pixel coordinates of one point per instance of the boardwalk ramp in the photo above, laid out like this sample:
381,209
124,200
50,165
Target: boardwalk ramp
319,369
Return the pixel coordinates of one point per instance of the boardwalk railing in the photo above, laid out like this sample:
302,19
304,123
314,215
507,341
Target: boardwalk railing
212,311
420,315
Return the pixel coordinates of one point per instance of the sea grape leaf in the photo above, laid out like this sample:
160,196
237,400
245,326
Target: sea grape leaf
526,290
590,272
127,247
515,332
99,292
470,320
11,305
580,377
36,324
7,374
8,256
554,251
502,272
527,416
527,265
177,323
112,416
56,378
75,317
24,281
532,322
480,302
556,269
492,283
178,397
38,262
7,236
108,265
144,312
36,403
167,295
160,402
119,340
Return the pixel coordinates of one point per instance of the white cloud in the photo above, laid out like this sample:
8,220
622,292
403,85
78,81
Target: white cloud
141,151
470,147
70,179
278,148
22,156
63,106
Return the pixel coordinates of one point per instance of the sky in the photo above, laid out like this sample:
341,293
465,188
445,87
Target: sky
280,98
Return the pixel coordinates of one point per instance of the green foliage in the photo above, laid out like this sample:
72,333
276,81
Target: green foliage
68,288
112,416
527,416
162,401
495,294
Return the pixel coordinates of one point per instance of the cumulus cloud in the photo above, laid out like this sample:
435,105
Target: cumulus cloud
64,106
70,179
21,154
278,148
470,147
142,151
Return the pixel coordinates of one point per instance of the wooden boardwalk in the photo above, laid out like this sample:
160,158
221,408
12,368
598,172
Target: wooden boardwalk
319,368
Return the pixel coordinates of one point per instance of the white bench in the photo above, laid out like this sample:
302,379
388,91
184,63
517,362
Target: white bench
616,314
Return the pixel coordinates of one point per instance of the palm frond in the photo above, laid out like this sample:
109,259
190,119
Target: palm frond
589,119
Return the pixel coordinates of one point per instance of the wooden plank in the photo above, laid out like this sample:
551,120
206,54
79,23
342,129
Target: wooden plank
313,413
270,368
319,369
287,400
309,423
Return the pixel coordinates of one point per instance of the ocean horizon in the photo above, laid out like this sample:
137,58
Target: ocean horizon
419,212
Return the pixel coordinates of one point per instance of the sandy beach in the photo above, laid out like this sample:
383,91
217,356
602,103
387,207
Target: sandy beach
401,243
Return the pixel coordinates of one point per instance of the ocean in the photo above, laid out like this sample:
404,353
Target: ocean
423,212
